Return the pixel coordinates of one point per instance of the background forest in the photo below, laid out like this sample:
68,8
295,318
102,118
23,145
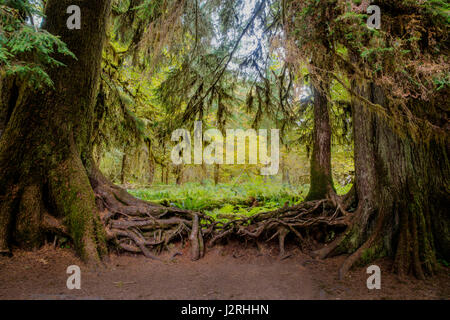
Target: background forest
362,113
137,151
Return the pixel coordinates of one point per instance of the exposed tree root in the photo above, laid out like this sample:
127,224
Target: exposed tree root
137,226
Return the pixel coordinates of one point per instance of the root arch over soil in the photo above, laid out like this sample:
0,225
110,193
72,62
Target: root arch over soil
137,226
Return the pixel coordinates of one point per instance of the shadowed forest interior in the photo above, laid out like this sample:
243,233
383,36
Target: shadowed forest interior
101,101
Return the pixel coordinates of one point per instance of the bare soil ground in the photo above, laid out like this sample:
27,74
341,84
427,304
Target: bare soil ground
230,272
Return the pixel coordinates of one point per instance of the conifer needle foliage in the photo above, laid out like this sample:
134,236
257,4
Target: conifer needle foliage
26,50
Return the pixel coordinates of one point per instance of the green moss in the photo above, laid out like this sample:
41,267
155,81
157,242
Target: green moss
425,239
74,200
371,254
28,219
350,243
320,183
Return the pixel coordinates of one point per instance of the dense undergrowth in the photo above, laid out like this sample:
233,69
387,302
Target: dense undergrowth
245,199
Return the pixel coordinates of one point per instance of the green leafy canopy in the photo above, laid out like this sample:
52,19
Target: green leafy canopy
26,50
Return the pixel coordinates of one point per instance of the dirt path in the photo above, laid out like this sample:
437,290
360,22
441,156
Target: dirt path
225,273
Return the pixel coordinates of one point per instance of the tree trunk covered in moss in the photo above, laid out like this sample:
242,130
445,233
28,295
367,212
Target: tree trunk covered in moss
124,169
216,174
46,149
321,175
151,163
9,93
162,174
402,193
166,174
178,171
285,177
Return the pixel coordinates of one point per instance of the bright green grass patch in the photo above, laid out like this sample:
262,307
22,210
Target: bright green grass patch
196,196
244,199
341,190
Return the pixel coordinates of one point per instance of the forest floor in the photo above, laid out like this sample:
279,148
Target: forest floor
226,272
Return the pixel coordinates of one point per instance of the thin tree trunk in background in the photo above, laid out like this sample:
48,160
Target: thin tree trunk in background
285,179
151,163
216,174
179,174
321,175
162,174
204,173
166,174
151,171
123,171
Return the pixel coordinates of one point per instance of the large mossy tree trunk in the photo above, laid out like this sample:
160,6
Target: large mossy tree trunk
45,151
321,175
401,191
9,93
